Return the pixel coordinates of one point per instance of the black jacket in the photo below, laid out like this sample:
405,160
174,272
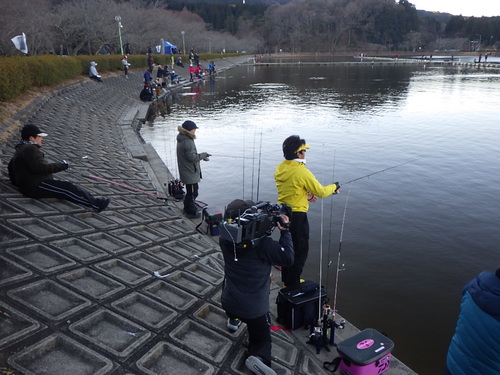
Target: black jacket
245,293
28,167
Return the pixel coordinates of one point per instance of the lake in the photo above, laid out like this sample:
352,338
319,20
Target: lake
412,234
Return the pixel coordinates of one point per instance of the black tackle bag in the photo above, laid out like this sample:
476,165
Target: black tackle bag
299,305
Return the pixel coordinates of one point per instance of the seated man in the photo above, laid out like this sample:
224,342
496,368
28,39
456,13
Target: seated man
174,78
29,171
93,72
146,94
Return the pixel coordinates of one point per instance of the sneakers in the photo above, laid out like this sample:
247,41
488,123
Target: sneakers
233,324
258,367
102,203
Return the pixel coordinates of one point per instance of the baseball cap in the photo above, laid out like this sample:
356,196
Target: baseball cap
31,130
189,125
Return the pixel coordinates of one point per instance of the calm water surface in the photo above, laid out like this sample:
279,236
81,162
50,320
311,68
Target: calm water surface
413,235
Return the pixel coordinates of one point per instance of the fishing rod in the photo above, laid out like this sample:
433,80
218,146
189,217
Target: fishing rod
380,171
323,333
338,256
127,186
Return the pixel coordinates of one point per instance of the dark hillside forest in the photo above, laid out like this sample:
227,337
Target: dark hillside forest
71,27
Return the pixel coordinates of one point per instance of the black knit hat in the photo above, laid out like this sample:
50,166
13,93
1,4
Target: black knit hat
237,207
189,125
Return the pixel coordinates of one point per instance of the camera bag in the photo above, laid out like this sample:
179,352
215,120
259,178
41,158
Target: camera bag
299,305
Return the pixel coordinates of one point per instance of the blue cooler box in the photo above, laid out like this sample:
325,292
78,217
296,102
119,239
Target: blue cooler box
366,353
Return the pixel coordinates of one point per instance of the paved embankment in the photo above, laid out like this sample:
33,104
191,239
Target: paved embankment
78,290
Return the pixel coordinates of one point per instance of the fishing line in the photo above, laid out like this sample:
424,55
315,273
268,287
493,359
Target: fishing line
253,162
243,180
260,161
230,156
78,158
171,140
338,256
331,225
380,171
168,151
320,309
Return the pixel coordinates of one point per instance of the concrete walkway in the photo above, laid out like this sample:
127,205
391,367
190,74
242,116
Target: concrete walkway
132,290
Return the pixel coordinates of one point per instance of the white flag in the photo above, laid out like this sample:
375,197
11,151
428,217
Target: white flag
20,43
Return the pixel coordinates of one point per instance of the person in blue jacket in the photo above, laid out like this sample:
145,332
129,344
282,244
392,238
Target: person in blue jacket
475,346
245,292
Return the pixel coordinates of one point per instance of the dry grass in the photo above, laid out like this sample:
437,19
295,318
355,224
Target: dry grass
11,108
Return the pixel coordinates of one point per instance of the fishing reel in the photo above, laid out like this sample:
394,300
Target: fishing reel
322,333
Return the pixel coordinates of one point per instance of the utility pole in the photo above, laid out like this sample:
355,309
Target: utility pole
119,20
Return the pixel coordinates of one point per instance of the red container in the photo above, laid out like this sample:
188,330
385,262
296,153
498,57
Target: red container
366,353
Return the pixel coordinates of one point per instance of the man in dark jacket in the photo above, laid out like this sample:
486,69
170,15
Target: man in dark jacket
475,346
31,173
245,293
188,160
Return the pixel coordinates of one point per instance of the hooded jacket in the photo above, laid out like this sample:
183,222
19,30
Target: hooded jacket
28,167
188,158
93,70
245,292
475,346
294,181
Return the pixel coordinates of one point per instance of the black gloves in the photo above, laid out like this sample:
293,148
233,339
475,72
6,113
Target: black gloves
338,187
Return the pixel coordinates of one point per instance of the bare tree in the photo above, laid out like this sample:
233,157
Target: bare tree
29,16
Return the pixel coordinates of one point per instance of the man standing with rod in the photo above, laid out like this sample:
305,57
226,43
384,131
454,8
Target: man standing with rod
297,186
188,161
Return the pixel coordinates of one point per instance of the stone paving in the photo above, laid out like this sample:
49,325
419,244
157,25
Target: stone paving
132,290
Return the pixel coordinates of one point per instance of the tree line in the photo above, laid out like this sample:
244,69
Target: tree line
71,27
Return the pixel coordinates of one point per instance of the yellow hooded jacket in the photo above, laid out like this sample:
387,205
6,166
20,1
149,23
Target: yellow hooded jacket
294,181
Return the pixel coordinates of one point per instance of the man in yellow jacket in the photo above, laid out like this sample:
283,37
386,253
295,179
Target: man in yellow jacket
297,186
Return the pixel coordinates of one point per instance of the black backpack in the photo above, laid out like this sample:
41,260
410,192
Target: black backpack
175,189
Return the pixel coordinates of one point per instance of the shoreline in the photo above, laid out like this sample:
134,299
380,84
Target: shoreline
98,270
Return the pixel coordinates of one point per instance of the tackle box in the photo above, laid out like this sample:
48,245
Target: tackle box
366,353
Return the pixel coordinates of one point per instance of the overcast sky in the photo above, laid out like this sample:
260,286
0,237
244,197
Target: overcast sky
476,8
